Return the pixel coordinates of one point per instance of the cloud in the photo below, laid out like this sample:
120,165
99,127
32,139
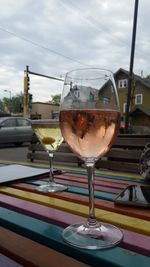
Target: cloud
55,36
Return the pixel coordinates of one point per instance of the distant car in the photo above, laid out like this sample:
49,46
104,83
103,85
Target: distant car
122,127
15,130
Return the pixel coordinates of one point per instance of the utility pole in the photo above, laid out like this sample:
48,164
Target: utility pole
131,66
26,89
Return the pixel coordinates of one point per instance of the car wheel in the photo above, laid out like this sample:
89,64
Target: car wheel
34,139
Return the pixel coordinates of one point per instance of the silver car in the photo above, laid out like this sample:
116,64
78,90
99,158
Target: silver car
15,130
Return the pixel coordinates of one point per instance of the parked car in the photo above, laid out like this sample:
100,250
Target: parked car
15,130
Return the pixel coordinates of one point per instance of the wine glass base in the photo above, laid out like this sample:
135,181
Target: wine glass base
100,237
51,187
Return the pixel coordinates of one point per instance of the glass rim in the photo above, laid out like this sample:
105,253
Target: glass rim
90,68
43,121
104,70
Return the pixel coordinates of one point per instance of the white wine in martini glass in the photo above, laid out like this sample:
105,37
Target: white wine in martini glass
49,135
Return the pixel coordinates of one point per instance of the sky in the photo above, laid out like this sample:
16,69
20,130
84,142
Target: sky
53,37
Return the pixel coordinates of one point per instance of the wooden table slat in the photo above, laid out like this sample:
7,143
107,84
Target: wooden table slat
124,221
134,241
99,203
36,254
50,236
32,222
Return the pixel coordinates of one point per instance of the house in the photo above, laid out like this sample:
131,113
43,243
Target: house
140,100
79,96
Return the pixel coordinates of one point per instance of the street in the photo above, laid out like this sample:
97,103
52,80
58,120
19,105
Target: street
14,153
18,155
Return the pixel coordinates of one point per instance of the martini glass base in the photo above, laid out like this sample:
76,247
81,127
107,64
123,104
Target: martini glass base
100,237
51,187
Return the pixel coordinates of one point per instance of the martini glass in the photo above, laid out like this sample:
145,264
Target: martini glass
49,135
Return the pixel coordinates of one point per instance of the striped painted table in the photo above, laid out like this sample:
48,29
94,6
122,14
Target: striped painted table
31,223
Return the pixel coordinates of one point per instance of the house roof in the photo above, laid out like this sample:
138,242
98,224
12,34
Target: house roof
137,77
45,103
139,110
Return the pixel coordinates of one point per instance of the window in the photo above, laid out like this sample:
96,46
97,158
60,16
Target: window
124,107
138,99
122,83
55,114
77,93
9,123
106,100
23,122
91,96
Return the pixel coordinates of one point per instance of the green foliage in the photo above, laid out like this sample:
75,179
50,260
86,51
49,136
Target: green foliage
1,105
147,78
15,104
56,99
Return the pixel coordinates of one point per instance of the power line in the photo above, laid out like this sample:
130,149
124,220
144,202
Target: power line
42,47
91,20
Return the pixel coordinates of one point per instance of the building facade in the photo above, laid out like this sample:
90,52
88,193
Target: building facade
42,110
139,109
140,100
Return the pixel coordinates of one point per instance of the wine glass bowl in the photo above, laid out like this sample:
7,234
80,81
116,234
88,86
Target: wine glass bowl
49,135
89,122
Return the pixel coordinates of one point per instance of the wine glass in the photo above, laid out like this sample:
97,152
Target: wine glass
89,122
49,135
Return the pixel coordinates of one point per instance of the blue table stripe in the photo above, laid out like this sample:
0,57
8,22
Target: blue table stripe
79,190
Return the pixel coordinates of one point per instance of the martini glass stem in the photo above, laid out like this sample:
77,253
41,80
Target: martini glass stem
51,173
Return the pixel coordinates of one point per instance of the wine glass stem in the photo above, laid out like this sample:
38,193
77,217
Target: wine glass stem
51,175
90,172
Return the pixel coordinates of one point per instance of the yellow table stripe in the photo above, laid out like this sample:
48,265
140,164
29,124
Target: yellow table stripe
127,222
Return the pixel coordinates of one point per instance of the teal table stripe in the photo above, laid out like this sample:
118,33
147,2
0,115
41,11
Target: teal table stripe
108,176
98,194
79,190
50,235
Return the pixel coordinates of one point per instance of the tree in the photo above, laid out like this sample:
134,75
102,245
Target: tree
7,103
56,99
1,105
15,104
147,78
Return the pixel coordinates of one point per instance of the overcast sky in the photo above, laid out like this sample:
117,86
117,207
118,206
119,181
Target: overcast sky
56,36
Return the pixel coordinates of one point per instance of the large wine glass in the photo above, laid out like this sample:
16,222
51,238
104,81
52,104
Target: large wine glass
49,135
89,122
